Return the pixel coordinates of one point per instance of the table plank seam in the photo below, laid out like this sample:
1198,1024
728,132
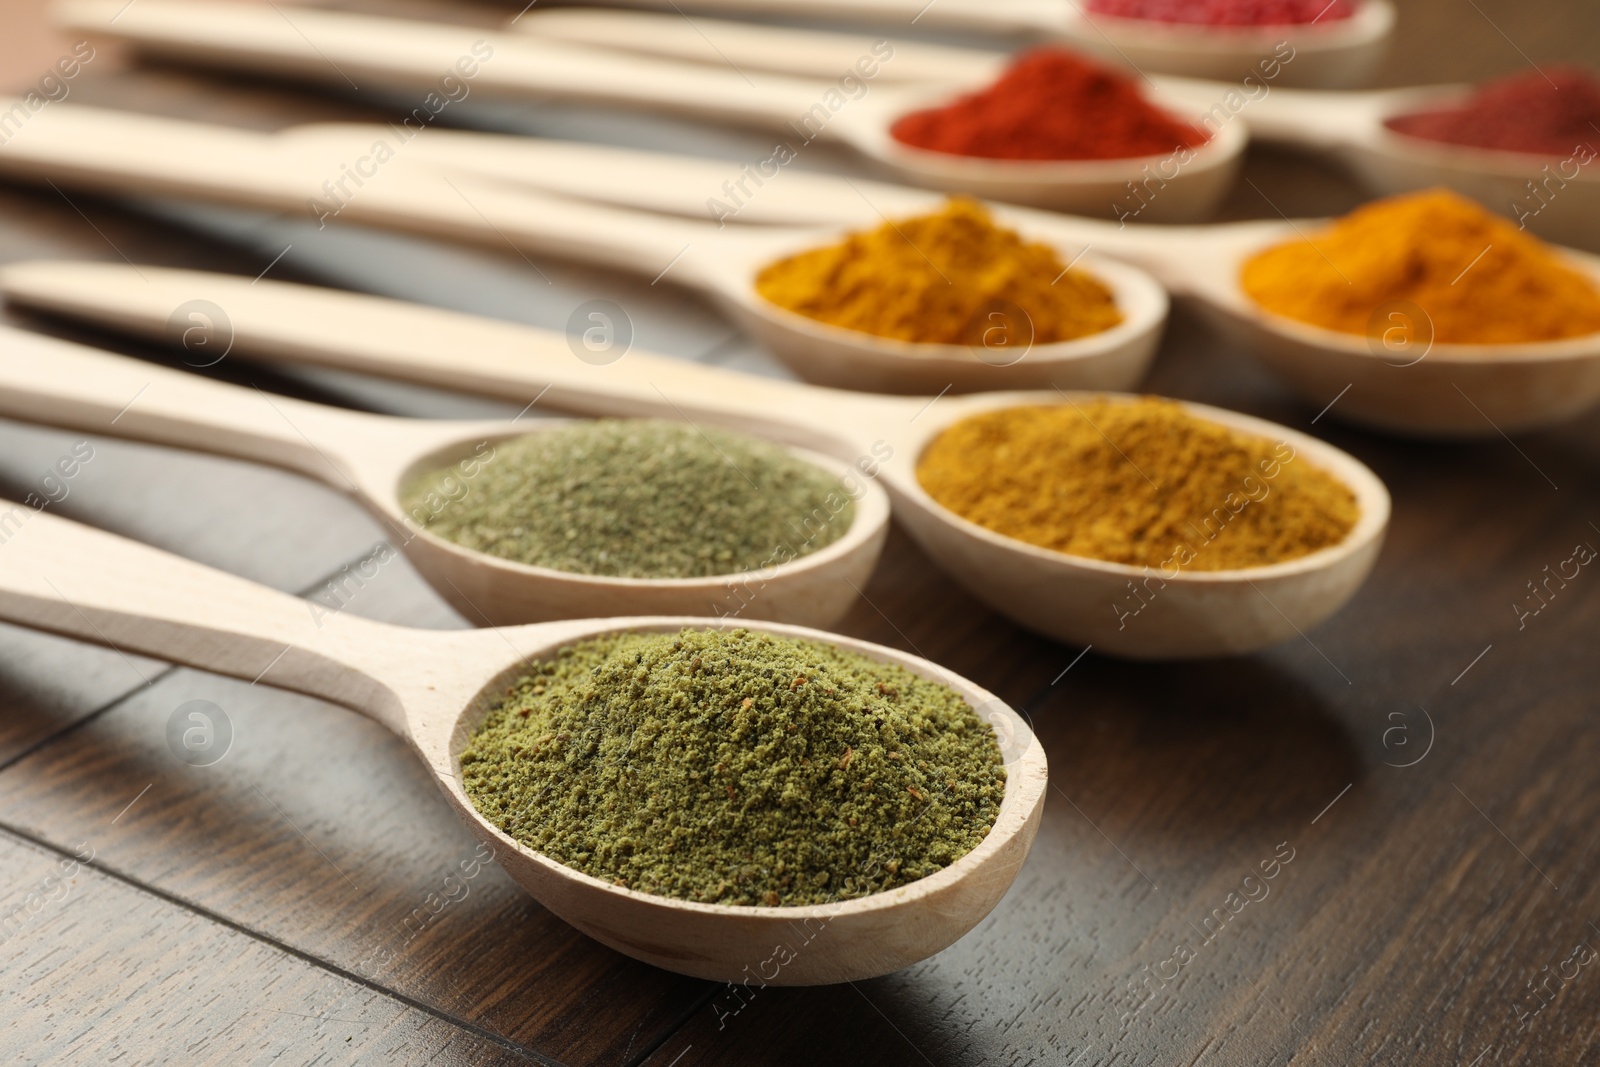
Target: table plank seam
40,842
109,705
686,1017
305,957
116,701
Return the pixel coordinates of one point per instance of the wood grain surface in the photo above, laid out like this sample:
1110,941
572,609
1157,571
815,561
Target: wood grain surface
1419,775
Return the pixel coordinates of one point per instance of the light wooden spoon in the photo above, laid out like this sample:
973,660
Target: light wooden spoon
800,53
1562,205
342,49
372,456
1072,598
1394,379
694,187
1333,54
1555,197
433,687
121,153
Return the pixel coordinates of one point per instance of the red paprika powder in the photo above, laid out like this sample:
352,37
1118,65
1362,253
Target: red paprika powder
1051,104
1553,112
1228,12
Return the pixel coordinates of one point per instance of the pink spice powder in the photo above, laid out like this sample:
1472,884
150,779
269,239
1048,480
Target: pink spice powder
1553,112
1229,12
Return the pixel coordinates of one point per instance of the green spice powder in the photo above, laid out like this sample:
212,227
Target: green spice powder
732,767
635,498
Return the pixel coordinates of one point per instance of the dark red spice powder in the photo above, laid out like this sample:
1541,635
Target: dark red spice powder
1229,12
1051,104
1554,112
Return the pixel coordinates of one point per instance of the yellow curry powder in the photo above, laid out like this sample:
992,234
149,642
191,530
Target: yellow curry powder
1478,278
952,277
1139,482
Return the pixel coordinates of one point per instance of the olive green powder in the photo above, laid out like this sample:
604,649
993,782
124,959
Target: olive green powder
734,767
634,498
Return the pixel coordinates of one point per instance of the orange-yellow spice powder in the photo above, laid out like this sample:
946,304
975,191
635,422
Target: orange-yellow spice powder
1137,481
1477,278
943,278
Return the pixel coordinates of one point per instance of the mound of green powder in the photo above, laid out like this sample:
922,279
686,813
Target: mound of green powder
732,767
634,498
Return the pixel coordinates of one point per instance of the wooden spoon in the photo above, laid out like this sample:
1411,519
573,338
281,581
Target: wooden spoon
1349,127
1394,380
121,153
343,49
372,456
800,53
433,687
688,186
1394,377
1072,598
1330,54
1555,197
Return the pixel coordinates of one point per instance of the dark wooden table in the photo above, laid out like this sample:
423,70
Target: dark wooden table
1419,774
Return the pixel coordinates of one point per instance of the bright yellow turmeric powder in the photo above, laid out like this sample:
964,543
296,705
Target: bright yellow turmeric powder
1138,481
1478,278
952,277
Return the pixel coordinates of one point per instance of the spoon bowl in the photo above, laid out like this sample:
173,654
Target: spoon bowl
372,457
875,935
433,688
1092,187
1395,378
1555,197
1334,55
1007,358
817,589
1070,598
1153,613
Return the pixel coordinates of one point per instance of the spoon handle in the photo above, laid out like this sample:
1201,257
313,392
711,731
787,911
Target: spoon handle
61,384
117,152
778,50
392,338
760,191
59,576
120,152
1302,117
442,63
991,16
